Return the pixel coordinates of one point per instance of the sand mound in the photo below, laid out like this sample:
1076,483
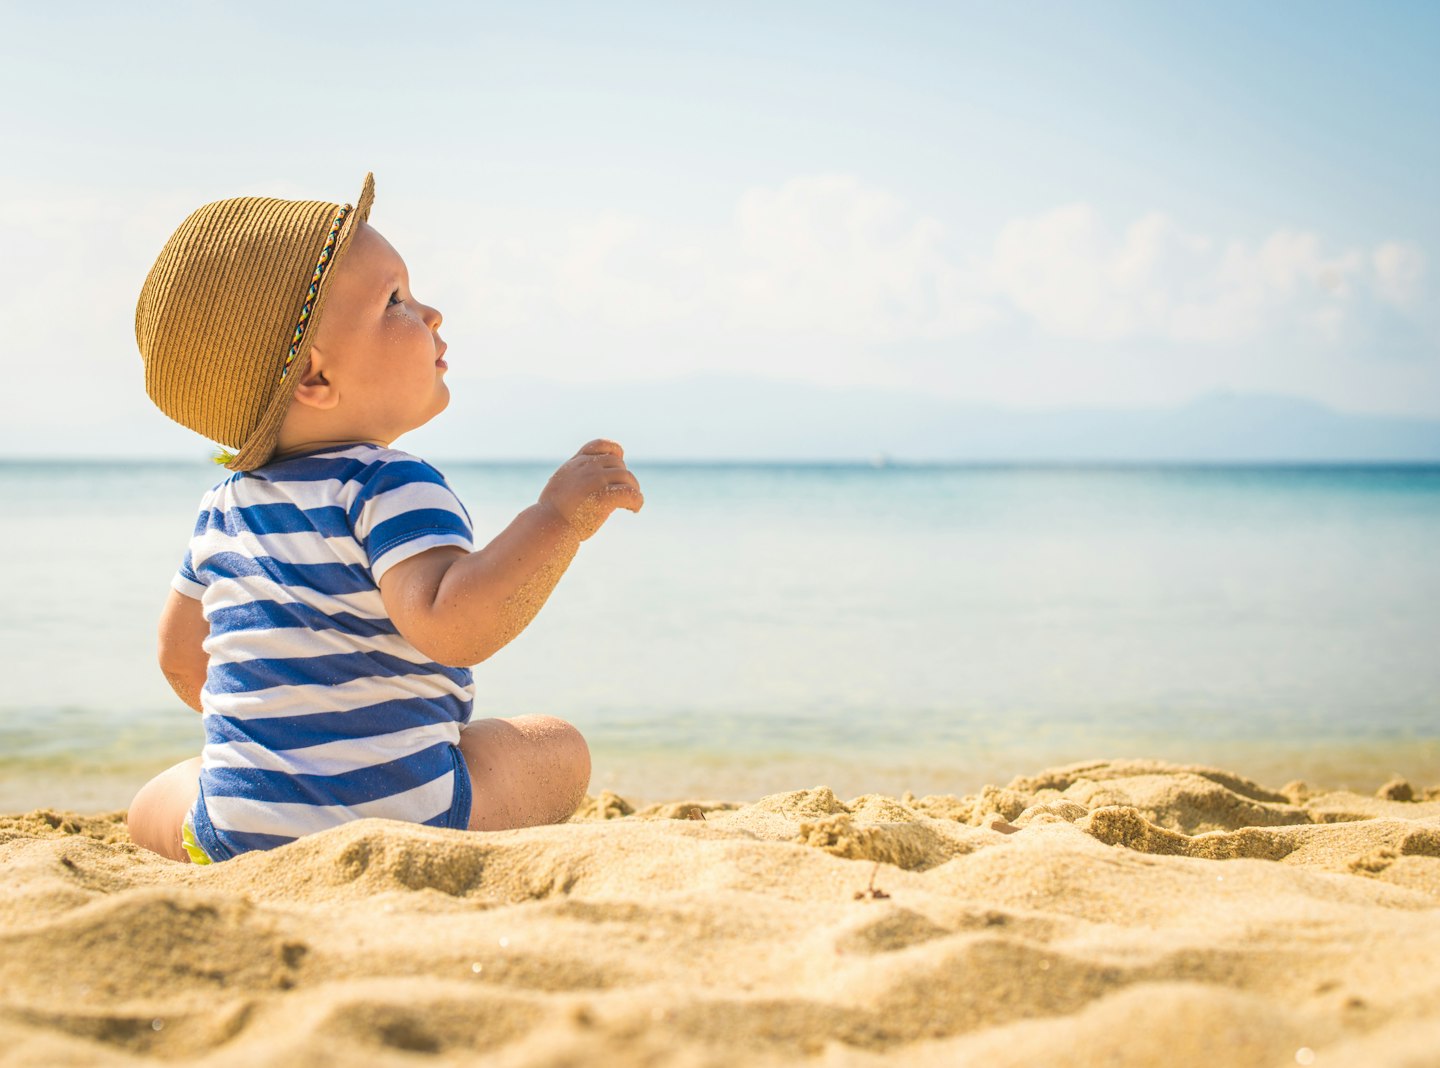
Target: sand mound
1116,913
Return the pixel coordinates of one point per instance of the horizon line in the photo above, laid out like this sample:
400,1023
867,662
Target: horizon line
879,461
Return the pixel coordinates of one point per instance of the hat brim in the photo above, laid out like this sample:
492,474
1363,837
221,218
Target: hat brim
257,448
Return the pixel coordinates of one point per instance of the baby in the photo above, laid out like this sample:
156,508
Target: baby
331,604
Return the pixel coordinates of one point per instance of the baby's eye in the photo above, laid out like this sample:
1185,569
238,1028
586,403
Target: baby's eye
395,297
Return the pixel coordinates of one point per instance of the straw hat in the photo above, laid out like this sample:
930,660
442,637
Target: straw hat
227,314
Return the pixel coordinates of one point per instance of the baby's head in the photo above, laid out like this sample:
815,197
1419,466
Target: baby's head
275,326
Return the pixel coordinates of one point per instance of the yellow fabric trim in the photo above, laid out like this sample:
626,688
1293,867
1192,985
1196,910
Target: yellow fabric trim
187,839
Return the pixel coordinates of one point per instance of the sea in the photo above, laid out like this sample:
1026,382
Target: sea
875,628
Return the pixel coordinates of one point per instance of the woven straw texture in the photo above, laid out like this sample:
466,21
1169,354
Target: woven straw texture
219,311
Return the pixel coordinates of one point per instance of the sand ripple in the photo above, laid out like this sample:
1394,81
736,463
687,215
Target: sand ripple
1115,913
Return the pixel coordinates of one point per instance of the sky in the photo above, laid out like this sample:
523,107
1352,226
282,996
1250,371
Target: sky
1035,206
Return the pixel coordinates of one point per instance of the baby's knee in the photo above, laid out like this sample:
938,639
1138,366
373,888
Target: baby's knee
558,736
576,747
569,760
572,754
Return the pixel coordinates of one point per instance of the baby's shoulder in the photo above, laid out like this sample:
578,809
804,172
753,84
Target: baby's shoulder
385,455
346,478
334,470
353,476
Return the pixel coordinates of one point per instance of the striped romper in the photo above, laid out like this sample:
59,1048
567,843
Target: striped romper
316,710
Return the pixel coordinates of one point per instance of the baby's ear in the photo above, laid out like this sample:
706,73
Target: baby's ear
315,390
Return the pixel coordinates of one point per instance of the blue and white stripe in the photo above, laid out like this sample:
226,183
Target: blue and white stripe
317,710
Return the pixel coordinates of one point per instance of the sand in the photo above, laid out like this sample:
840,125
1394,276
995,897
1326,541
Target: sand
1109,913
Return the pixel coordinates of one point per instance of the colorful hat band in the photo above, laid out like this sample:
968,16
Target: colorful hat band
314,289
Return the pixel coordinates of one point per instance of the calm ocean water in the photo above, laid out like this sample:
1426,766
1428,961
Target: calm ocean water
768,627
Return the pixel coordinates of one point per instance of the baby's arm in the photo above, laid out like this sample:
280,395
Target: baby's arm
182,656
459,608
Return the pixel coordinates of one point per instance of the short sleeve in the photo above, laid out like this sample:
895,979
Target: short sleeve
404,508
186,581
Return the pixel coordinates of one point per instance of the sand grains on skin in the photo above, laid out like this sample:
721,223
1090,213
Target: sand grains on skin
1115,913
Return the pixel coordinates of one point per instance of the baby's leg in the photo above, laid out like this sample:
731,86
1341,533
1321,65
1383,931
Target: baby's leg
160,806
524,771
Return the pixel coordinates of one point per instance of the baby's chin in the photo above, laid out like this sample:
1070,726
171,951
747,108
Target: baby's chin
442,400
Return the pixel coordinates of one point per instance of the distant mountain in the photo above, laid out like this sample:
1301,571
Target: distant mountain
745,419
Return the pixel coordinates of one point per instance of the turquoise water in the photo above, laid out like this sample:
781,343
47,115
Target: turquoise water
767,627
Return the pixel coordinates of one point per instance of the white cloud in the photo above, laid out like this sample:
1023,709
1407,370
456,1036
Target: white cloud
1399,267
1073,277
830,255
829,259
822,256
1068,274
822,278
628,273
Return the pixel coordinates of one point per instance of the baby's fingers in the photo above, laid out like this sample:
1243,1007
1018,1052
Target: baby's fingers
623,491
602,447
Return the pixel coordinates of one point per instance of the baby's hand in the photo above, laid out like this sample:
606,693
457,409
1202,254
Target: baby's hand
592,484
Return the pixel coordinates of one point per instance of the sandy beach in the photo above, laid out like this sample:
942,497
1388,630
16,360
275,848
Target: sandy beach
1108,913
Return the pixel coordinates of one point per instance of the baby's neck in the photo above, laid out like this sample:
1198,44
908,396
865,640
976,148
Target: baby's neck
288,449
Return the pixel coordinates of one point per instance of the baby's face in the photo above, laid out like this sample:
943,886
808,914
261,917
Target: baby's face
377,346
